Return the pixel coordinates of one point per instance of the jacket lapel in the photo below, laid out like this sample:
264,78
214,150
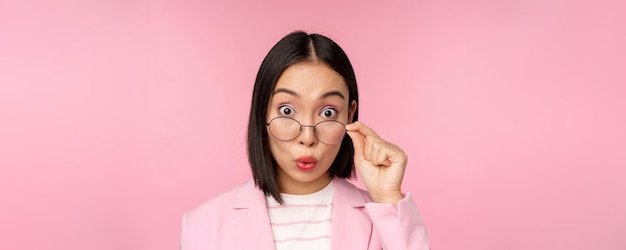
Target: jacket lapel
251,227
351,226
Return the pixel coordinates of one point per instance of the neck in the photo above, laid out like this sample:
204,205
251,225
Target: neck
291,186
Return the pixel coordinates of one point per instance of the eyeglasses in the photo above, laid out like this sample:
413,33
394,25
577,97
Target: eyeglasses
329,132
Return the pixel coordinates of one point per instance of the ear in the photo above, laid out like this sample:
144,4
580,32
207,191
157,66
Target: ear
351,112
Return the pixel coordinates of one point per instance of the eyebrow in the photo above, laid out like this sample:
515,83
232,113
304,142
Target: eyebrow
284,90
333,93
293,93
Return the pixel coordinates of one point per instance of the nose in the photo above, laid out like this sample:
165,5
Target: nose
307,136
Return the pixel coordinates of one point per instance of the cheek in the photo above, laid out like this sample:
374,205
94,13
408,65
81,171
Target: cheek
331,153
276,148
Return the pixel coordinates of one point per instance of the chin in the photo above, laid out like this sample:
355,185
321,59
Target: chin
310,177
307,176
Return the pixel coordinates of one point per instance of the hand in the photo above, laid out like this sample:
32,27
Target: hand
380,164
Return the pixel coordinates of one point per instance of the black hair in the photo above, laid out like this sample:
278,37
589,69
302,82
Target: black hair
294,48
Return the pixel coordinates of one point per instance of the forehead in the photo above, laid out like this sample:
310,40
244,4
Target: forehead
311,78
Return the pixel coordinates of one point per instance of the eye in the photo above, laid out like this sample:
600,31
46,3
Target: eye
329,113
285,110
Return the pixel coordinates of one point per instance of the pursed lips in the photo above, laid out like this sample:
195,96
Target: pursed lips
306,163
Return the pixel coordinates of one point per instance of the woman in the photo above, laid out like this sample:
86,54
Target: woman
304,103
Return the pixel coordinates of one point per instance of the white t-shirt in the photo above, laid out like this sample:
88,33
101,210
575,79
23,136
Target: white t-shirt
303,221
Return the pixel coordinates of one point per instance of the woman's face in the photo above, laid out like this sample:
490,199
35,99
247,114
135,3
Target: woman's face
310,93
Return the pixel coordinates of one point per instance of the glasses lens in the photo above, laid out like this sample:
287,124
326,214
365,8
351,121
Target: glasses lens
284,129
330,132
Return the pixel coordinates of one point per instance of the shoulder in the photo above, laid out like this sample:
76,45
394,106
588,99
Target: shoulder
216,206
205,226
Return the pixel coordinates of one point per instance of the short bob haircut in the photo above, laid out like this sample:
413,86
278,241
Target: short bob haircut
294,48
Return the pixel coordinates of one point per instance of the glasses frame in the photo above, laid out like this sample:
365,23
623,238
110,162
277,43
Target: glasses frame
309,126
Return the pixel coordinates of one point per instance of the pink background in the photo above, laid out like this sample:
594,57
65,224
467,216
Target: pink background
118,116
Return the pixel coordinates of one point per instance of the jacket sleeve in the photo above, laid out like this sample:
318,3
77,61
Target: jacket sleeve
399,227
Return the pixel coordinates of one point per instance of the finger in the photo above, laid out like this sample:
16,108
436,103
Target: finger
359,143
370,137
383,153
377,152
361,128
394,154
380,157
